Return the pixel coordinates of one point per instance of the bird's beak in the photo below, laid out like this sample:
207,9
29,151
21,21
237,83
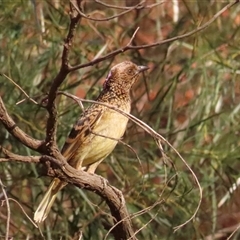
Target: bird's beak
142,68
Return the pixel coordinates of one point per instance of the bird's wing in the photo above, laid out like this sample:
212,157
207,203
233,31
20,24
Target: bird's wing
81,131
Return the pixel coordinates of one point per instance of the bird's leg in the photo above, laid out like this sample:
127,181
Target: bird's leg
118,192
104,182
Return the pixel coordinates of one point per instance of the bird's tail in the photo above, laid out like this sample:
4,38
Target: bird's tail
48,200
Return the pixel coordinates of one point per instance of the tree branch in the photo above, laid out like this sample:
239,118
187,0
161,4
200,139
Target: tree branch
12,157
94,183
14,130
64,70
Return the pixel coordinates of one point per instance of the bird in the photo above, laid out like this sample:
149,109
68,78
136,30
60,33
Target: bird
97,131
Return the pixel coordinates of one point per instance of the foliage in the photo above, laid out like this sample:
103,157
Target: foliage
190,96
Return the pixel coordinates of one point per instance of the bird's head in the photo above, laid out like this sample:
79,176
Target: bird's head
123,75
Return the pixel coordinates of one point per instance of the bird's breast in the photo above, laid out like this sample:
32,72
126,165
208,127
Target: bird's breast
105,135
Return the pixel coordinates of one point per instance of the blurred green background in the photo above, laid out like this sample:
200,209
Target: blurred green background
190,95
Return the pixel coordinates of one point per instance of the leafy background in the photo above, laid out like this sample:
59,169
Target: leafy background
190,96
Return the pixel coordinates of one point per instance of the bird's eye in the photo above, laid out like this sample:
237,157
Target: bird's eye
130,71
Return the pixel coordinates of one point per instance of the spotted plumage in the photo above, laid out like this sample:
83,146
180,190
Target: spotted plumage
98,129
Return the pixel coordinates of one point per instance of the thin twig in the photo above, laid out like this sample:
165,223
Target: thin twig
8,210
125,8
133,36
108,18
114,6
235,230
11,80
29,218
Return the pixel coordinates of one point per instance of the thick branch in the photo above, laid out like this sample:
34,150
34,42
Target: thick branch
13,129
92,182
64,70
